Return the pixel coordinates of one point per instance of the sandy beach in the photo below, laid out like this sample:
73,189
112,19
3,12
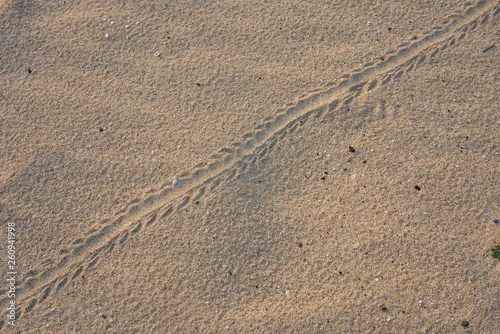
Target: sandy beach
249,167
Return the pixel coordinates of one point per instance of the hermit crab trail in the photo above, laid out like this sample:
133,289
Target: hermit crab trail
36,289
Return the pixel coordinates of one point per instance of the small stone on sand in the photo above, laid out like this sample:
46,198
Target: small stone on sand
175,182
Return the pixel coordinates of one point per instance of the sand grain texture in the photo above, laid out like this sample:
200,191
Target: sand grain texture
276,225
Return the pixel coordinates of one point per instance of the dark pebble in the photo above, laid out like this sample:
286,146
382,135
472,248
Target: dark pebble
496,221
465,324
29,70
383,308
300,245
101,129
417,187
351,149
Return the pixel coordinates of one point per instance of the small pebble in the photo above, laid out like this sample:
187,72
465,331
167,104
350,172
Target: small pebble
496,221
157,54
106,35
465,324
161,156
175,182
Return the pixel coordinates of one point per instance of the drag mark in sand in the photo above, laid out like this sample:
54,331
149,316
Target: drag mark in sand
232,161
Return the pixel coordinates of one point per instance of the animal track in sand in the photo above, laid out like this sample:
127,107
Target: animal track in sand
233,160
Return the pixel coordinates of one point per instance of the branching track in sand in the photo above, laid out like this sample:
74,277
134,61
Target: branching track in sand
232,161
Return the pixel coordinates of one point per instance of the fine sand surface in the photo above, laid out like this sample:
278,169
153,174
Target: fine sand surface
338,166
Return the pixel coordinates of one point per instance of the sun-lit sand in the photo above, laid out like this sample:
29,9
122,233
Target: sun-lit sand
250,166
